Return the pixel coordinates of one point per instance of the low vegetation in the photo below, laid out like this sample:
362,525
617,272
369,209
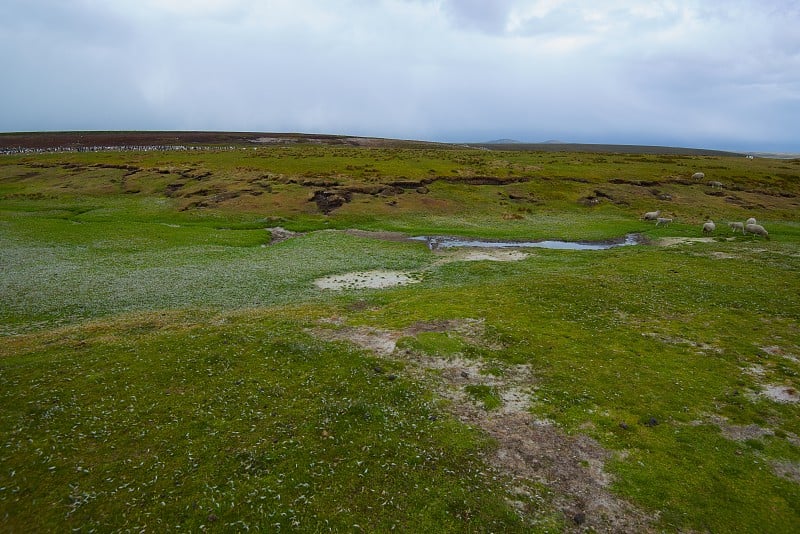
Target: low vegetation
166,366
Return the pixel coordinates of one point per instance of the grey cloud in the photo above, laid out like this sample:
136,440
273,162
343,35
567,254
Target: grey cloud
490,17
431,69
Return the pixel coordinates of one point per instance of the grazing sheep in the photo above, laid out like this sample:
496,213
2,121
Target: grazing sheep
709,227
757,229
736,226
751,220
715,184
651,215
662,220
698,176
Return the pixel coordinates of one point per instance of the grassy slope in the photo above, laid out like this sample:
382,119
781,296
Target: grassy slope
104,427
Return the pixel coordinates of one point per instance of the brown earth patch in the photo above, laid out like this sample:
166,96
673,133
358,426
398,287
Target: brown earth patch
279,234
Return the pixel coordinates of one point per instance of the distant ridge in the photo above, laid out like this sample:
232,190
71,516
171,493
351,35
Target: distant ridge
556,146
22,142
502,142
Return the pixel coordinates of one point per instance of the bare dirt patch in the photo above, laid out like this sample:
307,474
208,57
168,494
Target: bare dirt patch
682,341
787,470
279,234
784,394
775,350
482,255
367,280
735,432
527,449
744,432
672,241
722,256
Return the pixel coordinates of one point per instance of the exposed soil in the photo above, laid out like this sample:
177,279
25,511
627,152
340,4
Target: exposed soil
784,394
744,432
279,234
672,241
788,470
367,280
482,255
682,341
778,351
527,449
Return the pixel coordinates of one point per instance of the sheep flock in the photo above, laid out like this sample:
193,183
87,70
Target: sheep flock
709,227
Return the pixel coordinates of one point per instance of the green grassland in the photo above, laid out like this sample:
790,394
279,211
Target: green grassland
162,368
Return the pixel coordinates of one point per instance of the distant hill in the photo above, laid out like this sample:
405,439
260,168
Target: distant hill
502,142
85,140
557,146
16,142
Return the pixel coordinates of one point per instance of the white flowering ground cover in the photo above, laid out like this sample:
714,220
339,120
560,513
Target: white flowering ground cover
164,368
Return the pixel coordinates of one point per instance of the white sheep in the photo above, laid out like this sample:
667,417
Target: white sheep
715,185
757,229
698,176
736,226
751,220
651,215
709,227
663,220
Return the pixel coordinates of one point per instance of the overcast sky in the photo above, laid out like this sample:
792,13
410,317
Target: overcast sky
713,74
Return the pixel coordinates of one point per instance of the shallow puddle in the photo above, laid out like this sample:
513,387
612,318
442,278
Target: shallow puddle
440,242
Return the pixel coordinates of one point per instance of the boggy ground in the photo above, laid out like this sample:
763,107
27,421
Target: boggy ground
166,360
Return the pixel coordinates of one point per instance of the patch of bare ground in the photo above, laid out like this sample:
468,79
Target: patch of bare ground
781,393
776,392
480,255
527,449
702,347
775,350
787,470
279,234
739,432
672,241
722,255
367,280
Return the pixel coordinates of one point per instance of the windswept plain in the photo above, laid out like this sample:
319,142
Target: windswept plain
238,333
